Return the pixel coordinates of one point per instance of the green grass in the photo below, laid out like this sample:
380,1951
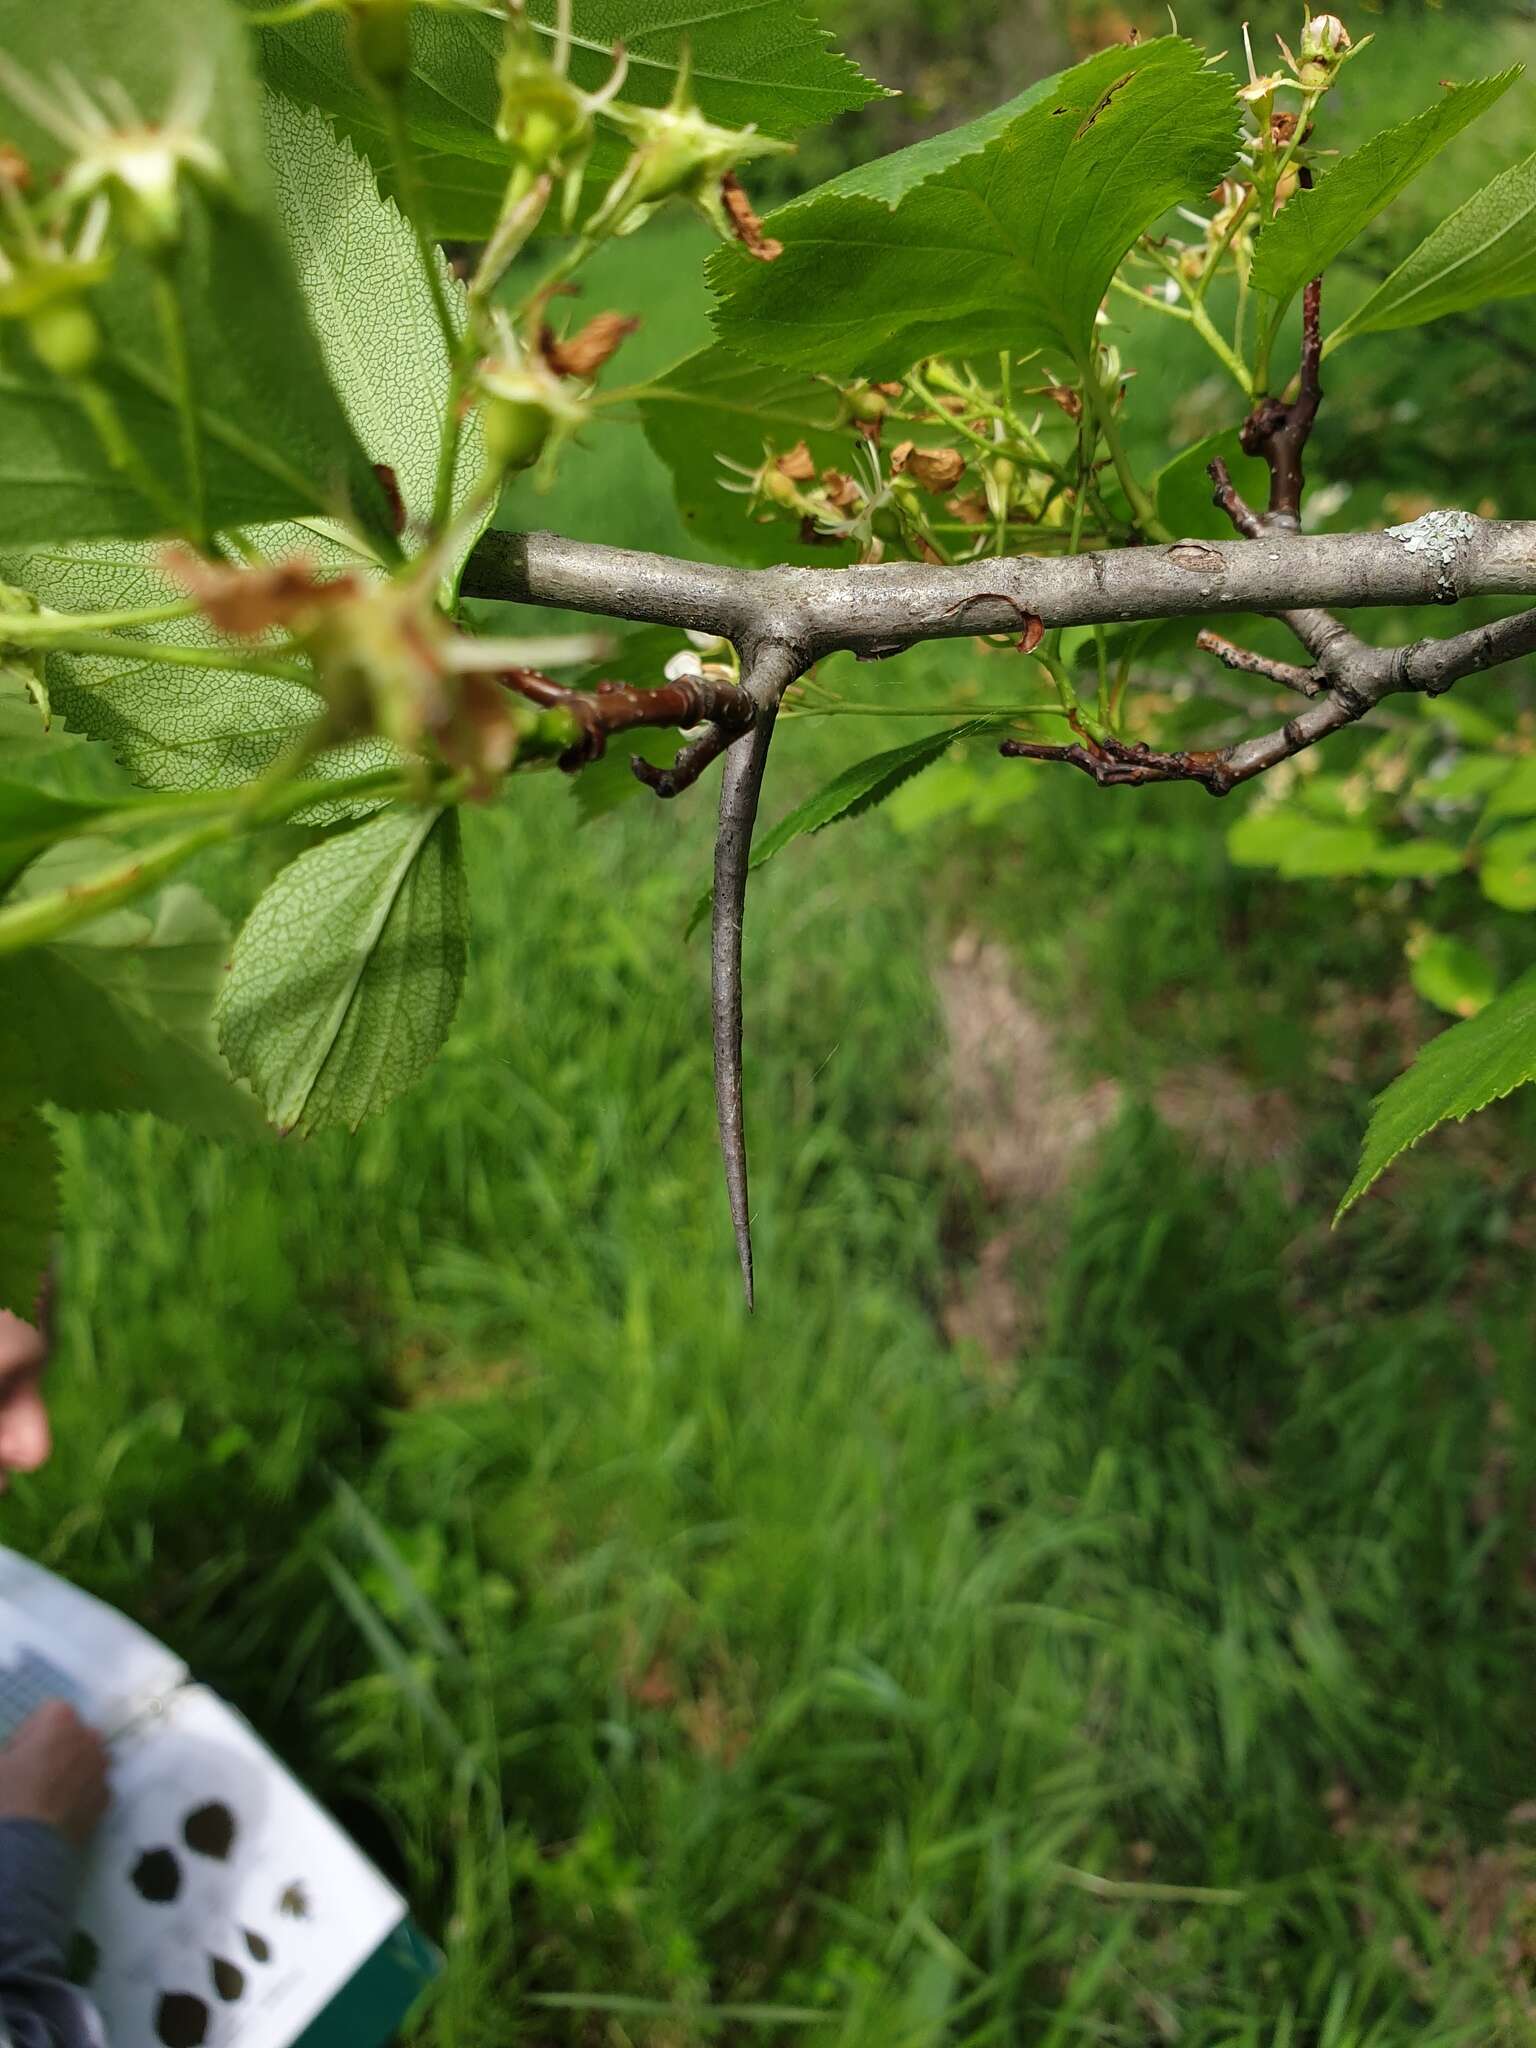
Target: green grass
809,1678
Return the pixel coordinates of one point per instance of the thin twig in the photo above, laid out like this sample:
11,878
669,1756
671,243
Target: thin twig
1309,682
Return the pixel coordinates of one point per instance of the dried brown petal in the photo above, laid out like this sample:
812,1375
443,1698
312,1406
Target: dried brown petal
479,734
972,508
841,490
798,465
584,353
1068,397
935,469
749,229
14,168
246,603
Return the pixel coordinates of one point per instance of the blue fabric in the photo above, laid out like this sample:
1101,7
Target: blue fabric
39,1875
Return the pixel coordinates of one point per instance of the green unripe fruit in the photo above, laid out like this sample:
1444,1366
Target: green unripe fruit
515,432
866,404
65,337
542,116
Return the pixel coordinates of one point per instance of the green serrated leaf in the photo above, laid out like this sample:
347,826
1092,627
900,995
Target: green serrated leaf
275,441
1317,226
358,264
1485,251
175,727
29,1206
848,795
717,404
171,726
52,756
1011,237
755,62
118,1019
1452,975
1456,1074
348,972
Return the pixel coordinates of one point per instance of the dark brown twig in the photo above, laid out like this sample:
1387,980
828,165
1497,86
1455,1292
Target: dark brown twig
689,765
1279,431
1227,498
1308,682
622,707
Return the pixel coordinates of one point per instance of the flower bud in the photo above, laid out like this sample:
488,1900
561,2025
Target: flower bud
543,119
679,153
1326,45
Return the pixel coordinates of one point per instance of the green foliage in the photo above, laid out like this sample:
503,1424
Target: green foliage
1508,872
1007,246
32,818
1183,489
1453,976
356,263
1318,226
273,439
1301,846
786,1652
29,1204
718,406
1483,252
1461,1071
347,973
860,788
117,1018
186,727
754,61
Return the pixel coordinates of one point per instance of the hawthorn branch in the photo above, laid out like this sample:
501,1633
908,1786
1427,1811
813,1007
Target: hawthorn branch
619,707
1359,678
886,607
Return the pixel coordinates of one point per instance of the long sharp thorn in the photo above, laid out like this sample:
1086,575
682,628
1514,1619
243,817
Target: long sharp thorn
740,788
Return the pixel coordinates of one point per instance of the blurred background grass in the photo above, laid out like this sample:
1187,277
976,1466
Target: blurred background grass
1093,1600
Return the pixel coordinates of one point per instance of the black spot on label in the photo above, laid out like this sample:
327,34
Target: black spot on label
210,1830
82,1959
259,1946
293,1902
157,1876
228,1978
181,2021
